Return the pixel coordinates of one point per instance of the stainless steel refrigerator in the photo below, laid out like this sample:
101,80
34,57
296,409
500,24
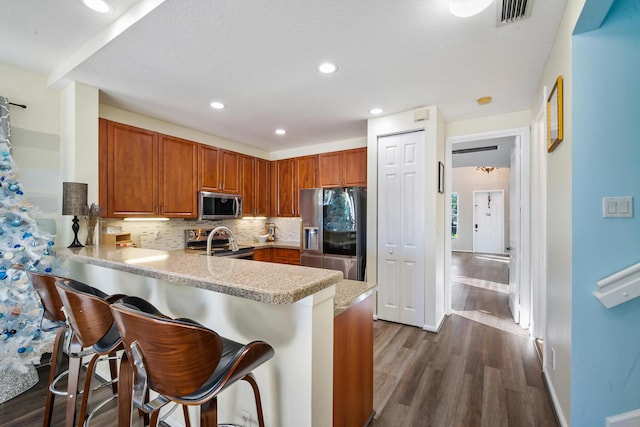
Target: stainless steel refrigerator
333,229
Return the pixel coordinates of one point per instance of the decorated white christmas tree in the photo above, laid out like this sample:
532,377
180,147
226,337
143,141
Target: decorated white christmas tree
23,247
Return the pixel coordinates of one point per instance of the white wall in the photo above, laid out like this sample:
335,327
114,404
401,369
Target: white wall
559,239
35,135
146,122
515,120
434,203
465,181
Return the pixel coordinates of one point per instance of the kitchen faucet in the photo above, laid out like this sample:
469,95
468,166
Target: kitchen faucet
233,245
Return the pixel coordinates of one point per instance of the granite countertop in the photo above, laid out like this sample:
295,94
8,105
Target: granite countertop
260,281
351,292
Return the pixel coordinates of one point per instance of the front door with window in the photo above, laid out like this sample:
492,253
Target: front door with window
488,221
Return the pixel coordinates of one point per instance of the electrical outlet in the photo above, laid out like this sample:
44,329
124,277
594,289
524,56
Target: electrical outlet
553,359
246,418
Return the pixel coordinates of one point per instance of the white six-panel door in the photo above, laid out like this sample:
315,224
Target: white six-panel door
401,249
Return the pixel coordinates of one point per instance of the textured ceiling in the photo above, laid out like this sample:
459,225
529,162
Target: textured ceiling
169,59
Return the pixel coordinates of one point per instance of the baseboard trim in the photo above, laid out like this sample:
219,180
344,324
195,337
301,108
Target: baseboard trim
555,404
435,328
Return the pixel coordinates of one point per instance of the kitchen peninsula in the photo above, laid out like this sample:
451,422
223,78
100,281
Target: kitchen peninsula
290,307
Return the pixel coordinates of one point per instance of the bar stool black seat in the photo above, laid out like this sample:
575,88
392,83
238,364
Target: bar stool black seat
93,333
45,286
182,361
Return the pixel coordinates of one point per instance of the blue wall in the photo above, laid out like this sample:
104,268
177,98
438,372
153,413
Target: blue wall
606,162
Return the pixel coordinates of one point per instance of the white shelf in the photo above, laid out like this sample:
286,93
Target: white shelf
620,287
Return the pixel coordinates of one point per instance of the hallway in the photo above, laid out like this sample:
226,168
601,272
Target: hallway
480,370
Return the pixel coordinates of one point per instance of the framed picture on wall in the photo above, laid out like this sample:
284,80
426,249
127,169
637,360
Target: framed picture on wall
554,116
440,177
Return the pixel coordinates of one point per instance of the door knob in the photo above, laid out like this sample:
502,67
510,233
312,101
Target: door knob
390,252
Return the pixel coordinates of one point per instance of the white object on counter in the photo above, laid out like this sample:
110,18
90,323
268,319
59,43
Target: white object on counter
262,238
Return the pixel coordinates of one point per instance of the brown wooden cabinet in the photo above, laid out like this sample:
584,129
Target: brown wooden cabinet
208,168
261,187
353,365
218,170
140,171
178,171
286,256
278,255
263,254
343,168
247,183
254,184
291,175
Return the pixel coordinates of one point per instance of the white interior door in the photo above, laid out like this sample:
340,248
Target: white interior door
488,221
401,228
514,233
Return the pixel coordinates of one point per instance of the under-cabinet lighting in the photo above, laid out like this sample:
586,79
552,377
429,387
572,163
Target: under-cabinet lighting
146,219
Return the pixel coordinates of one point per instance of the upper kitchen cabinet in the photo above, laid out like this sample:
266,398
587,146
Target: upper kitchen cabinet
307,172
128,170
178,171
343,168
284,175
144,174
219,170
254,183
261,187
247,182
289,176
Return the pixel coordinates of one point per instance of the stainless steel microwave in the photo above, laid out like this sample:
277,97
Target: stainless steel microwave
219,205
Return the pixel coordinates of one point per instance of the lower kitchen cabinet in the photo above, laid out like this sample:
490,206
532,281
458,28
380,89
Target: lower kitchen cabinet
277,255
263,254
286,256
353,365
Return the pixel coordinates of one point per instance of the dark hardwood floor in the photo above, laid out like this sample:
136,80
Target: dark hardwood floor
480,370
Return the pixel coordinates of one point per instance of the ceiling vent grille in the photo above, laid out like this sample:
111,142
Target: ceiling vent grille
512,10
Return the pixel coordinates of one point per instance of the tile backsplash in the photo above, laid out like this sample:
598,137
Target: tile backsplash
169,235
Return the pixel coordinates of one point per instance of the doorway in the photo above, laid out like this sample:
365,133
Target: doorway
521,286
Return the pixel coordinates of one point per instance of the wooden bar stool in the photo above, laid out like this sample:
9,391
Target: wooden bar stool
182,361
93,333
44,285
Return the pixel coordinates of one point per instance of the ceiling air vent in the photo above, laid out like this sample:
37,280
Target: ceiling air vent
512,10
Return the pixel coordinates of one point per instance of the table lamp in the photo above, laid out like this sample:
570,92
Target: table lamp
74,201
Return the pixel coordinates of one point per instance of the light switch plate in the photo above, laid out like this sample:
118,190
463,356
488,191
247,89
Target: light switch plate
617,207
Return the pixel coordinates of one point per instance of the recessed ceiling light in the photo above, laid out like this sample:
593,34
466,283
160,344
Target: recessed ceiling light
327,68
376,111
217,105
281,131
484,100
98,5
467,8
